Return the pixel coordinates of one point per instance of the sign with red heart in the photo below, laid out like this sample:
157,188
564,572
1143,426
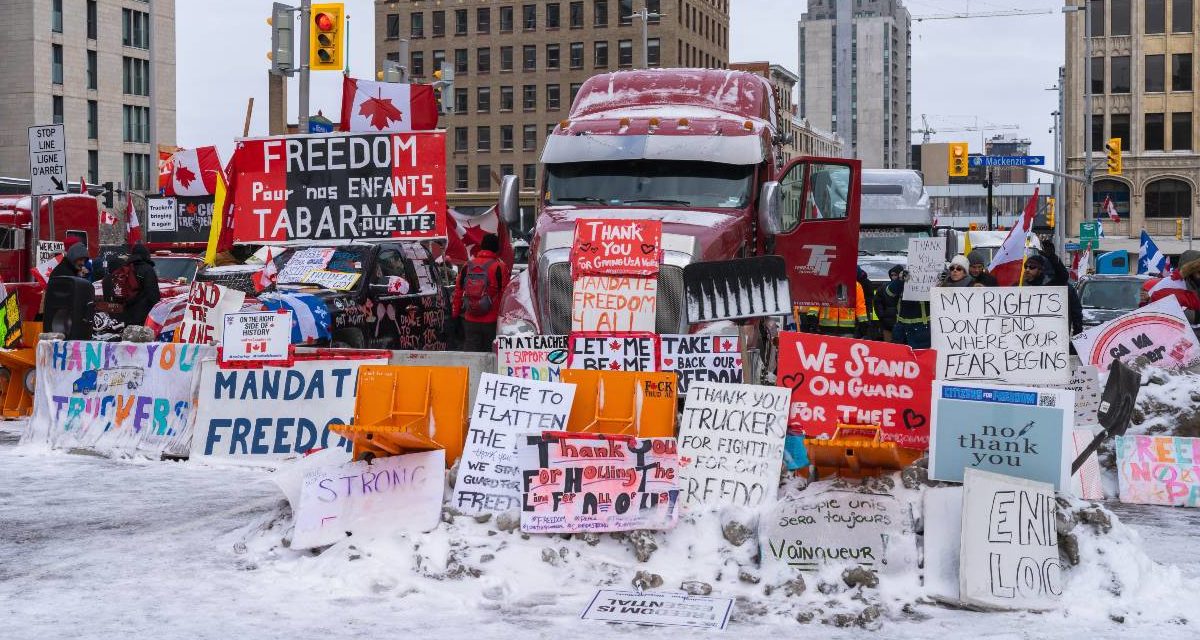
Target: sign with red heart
702,358
616,247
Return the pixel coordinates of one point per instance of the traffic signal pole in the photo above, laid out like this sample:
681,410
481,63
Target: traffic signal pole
1087,111
305,15
989,181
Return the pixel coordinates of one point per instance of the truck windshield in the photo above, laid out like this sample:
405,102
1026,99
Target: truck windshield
651,182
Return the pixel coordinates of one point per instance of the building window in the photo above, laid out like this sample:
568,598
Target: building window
483,138
576,15
1155,82
460,177
137,171
529,176
575,87
506,98
460,61
93,166
56,106
1181,16
506,58
624,12
529,57
529,17
506,170
506,19
599,13
1097,9
1181,72
460,139
56,63
1119,17
483,20
92,71
529,97
136,121
439,56
625,54
576,55
56,16
393,26
92,19
552,56
135,29
653,7
1154,132
483,60
653,52
1181,131
483,177
553,95
553,16
1156,16
1168,198
416,25
529,137
439,24
460,22
600,54
483,99
93,119
1118,127
1118,74
460,100
418,64
1097,75
506,137
1097,133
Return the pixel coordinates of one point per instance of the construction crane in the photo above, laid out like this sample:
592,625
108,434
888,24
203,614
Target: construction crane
925,131
985,14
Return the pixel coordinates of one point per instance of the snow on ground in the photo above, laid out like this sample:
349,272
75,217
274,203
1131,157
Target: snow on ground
99,548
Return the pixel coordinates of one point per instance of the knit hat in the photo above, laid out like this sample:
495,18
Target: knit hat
977,257
1036,259
960,261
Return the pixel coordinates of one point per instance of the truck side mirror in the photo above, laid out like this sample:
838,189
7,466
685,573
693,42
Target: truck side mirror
509,206
770,204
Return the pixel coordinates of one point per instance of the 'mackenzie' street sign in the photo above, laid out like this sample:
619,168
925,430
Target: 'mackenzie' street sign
47,160
1006,161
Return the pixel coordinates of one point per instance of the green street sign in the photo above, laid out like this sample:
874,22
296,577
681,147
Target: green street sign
1089,230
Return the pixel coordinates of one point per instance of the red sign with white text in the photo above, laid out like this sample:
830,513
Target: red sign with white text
616,247
857,382
339,187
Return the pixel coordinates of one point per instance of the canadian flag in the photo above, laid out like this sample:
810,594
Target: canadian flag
266,276
369,106
1173,284
1111,210
193,172
465,232
135,227
1010,259
41,273
1079,264
106,217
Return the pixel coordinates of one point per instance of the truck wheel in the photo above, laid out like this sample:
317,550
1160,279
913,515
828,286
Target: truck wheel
348,339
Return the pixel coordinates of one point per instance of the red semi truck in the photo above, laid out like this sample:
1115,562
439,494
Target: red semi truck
74,215
699,150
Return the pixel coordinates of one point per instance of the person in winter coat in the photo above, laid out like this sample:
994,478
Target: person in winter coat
74,262
147,295
956,273
1057,273
1034,275
912,317
832,320
978,269
477,295
885,306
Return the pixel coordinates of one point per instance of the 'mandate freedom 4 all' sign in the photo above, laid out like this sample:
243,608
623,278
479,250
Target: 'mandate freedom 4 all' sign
339,187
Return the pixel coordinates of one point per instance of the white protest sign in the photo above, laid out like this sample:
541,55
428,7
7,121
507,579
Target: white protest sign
303,261
1009,555
533,357
926,261
47,250
1086,483
1158,332
160,214
204,315
489,477
1085,382
609,304
1014,335
614,351
818,528
659,609
702,358
47,159
395,493
942,517
731,443
257,337
336,280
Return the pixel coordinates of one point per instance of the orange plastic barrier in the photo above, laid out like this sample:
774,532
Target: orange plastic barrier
408,409
21,365
609,402
856,451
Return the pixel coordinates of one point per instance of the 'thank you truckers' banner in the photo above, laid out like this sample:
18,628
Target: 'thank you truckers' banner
339,187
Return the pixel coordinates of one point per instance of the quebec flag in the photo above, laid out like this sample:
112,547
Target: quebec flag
1150,259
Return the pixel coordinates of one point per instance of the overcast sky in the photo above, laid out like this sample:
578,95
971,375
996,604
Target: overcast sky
991,70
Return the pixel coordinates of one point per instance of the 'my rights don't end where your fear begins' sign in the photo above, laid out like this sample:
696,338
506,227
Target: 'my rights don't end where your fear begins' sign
339,187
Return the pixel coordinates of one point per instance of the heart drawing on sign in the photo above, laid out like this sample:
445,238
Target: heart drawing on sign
585,247
793,381
649,248
668,361
913,420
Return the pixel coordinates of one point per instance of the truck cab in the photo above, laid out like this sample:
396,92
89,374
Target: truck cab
698,150
74,215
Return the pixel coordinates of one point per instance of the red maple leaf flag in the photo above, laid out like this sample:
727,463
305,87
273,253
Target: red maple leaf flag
369,106
193,172
185,177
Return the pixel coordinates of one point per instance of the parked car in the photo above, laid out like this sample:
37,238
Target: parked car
1105,297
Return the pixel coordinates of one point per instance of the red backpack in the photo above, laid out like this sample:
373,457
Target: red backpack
476,284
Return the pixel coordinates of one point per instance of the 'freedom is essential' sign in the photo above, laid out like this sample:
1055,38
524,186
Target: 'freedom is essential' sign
339,187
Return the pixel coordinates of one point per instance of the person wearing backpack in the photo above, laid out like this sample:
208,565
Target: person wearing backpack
477,295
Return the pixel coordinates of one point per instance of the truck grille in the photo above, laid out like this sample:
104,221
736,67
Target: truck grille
559,287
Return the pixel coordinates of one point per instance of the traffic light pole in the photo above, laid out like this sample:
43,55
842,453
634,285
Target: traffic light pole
988,182
305,14
1087,111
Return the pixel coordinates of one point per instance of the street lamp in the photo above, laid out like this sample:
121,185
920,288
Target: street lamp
1087,103
645,15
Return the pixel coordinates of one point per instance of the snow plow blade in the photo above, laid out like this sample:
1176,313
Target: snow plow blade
21,366
737,289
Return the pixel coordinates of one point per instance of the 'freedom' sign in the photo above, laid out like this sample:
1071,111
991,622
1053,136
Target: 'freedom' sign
339,187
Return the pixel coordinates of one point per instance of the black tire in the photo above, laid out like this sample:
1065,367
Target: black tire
348,339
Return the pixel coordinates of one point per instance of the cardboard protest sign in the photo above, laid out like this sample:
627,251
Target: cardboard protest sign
592,482
610,304
489,478
160,214
614,351
1086,483
393,493
1019,431
1009,554
47,250
1159,470
702,358
10,321
116,398
1012,335
616,247
302,262
845,381
339,187
1085,382
257,337
731,443
659,609
1158,332
533,357
335,280
261,416
819,528
926,263
942,517
204,315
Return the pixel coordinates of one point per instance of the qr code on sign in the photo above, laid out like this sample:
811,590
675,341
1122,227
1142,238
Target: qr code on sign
1046,400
